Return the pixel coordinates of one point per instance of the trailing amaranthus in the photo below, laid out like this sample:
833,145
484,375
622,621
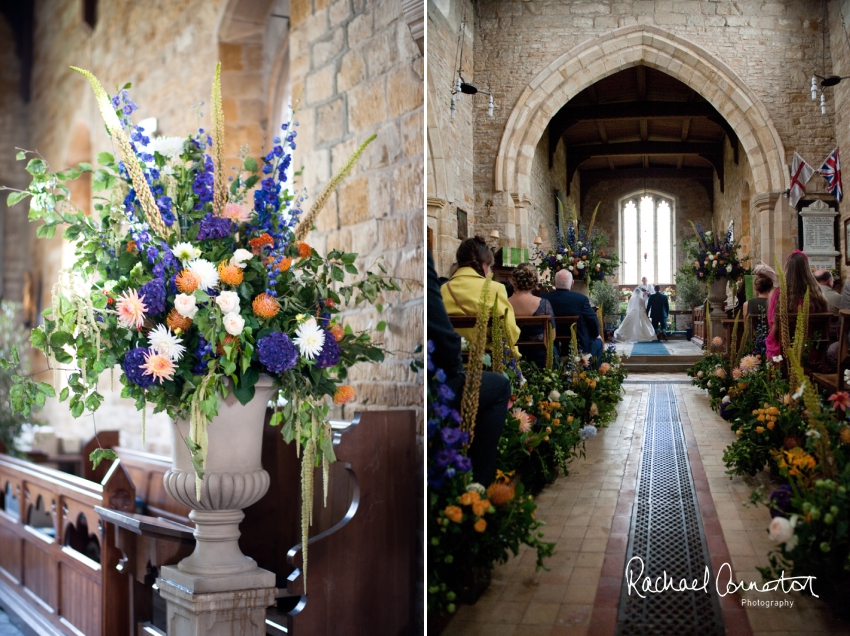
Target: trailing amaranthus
574,353
783,308
131,162
550,347
475,366
307,222
801,327
733,346
219,187
744,340
198,441
707,318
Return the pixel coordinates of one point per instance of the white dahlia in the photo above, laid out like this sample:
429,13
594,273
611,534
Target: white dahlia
310,338
185,252
166,343
168,147
206,272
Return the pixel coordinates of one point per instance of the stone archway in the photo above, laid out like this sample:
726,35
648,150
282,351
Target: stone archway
622,48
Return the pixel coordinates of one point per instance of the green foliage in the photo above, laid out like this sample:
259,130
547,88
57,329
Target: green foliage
101,454
690,292
606,296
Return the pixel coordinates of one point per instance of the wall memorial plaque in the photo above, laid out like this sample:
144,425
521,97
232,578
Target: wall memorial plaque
819,234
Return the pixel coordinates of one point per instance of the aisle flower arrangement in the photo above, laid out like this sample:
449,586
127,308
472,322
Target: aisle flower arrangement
194,286
580,251
709,256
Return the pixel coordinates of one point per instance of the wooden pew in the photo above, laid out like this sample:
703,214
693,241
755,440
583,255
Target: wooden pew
57,561
147,471
563,335
834,382
698,321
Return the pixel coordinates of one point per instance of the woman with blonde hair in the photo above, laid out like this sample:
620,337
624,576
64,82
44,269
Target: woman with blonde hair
462,292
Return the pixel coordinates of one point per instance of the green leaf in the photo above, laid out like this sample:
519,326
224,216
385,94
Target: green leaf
337,274
250,164
15,197
59,339
328,447
244,393
100,454
45,231
63,395
197,459
381,326
105,159
85,167
37,166
126,86
46,388
77,407
21,156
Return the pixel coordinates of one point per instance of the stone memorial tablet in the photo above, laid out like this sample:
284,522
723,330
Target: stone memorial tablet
819,234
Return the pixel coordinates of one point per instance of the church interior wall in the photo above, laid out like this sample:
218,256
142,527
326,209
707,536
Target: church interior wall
727,204
840,96
545,182
692,204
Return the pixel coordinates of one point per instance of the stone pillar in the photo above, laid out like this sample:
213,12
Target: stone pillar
784,220
519,232
232,605
763,209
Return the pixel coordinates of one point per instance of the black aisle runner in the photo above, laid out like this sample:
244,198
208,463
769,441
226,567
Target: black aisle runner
667,535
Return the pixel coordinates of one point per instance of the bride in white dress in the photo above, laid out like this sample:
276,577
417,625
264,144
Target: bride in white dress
636,326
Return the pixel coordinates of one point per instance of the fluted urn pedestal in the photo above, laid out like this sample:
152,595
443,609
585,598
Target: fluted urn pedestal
217,584
717,296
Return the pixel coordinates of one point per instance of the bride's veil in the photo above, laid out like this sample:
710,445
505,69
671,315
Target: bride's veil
636,300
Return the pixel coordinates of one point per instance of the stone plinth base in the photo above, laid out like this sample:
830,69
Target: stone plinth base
216,606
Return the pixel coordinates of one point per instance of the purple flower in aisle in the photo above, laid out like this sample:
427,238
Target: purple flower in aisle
132,365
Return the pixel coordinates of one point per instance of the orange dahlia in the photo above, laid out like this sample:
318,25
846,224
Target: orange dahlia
480,507
230,274
343,394
500,493
480,525
304,250
257,244
131,246
453,513
338,332
285,264
266,306
175,321
845,434
187,281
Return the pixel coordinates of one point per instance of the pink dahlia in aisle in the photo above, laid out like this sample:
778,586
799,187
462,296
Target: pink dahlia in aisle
159,366
131,310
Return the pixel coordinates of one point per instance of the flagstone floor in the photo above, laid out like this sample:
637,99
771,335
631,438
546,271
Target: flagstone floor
588,514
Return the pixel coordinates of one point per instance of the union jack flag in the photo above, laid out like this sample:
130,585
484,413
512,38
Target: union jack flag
831,171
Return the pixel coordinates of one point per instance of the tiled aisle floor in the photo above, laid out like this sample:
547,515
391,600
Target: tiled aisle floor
583,517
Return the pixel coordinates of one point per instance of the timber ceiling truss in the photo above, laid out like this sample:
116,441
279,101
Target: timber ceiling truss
641,124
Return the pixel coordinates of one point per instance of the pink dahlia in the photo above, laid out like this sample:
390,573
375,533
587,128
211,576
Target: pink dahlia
840,400
236,213
749,364
159,366
131,309
736,373
524,420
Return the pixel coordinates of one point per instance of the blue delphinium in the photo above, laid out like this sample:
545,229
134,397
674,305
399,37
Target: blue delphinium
133,361
277,352
213,227
204,183
446,442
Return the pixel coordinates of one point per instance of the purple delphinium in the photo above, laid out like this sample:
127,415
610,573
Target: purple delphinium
213,227
277,353
203,350
329,355
204,183
445,440
781,500
153,295
132,365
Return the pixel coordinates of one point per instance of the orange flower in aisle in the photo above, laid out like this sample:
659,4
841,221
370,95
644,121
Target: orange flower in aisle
187,282
840,400
230,274
604,368
285,264
266,306
453,513
468,498
844,433
480,525
343,394
338,332
176,322
131,246
480,507
131,310
159,366
304,250
500,493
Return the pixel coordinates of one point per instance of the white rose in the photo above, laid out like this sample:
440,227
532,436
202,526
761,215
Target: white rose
476,487
580,265
240,256
554,396
781,530
234,323
185,305
228,302
570,268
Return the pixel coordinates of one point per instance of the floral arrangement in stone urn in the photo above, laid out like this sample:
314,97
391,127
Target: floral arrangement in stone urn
710,257
580,250
205,294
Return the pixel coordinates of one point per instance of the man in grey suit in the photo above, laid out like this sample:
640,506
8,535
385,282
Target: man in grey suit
833,298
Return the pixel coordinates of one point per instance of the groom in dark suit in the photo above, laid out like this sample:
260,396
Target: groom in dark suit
569,303
658,308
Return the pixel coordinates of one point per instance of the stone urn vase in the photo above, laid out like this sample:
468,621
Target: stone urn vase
233,479
716,296
580,287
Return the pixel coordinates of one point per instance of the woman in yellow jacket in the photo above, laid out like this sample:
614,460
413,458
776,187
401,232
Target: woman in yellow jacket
462,293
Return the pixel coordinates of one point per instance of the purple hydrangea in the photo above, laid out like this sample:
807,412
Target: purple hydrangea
153,295
277,353
213,227
329,355
781,500
132,365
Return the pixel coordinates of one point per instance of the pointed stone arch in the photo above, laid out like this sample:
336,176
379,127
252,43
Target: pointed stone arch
622,48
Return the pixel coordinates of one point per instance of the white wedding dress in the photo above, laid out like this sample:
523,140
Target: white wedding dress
636,326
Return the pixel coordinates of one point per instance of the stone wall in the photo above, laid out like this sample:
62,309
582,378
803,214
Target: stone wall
771,47
545,182
840,95
691,202
450,142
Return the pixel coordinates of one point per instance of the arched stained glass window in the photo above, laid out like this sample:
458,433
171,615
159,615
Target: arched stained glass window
646,239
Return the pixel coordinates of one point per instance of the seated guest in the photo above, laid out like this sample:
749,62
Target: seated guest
762,285
568,303
798,278
524,279
833,298
462,293
766,270
493,396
